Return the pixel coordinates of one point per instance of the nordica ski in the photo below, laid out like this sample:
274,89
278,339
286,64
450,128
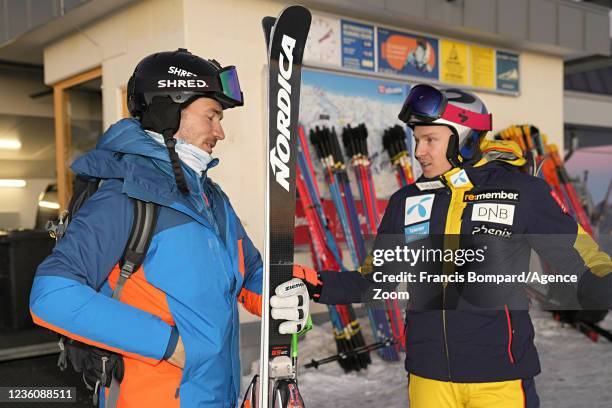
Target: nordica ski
286,40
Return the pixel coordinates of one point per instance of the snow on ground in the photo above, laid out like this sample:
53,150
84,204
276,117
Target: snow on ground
576,372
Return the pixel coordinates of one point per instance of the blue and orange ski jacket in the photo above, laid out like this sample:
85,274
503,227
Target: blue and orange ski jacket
199,265
494,201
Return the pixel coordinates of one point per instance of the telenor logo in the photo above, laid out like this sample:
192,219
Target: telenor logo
281,153
418,208
459,179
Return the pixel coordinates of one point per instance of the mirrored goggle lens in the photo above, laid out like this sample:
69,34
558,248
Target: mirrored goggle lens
424,100
230,84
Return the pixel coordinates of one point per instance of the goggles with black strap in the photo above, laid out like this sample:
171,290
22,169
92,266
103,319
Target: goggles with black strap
225,86
425,103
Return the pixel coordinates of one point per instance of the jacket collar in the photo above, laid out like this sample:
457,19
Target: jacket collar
495,153
126,152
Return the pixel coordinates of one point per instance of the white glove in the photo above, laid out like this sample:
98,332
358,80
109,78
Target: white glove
290,303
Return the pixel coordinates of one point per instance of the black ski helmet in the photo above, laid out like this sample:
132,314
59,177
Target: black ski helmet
182,77
166,82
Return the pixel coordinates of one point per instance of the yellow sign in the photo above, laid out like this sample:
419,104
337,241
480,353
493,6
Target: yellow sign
453,63
483,67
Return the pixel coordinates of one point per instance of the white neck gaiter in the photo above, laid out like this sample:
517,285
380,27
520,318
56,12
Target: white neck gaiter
194,157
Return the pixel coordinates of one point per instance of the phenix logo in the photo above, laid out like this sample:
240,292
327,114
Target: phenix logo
281,153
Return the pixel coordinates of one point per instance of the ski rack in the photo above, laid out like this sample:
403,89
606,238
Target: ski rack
326,255
544,161
325,142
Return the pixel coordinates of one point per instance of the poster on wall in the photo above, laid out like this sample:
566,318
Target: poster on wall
336,100
482,62
323,43
453,62
407,54
357,46
507,71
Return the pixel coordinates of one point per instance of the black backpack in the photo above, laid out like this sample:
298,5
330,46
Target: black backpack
101,367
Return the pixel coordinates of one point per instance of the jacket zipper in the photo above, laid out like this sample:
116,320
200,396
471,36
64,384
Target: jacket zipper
448,192
510,333
444,330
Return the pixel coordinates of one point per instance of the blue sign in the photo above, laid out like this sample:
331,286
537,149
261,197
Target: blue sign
357,46
507,71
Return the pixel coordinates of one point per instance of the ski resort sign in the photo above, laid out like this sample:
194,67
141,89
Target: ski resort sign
361,47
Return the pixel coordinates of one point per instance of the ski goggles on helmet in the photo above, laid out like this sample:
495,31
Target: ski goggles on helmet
230,86
223,87
427,104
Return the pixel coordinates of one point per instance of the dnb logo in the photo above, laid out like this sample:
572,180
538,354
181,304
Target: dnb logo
497,213
418,208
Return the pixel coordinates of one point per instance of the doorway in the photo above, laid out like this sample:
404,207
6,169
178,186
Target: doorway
78,124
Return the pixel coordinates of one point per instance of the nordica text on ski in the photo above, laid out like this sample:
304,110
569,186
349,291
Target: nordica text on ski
281,152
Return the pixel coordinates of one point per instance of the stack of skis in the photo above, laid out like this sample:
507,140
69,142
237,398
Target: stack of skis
385,319
544,160
394,142
326,255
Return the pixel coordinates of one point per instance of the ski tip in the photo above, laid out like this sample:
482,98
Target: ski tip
268,22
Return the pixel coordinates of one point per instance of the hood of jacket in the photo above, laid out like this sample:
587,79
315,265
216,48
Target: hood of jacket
125,151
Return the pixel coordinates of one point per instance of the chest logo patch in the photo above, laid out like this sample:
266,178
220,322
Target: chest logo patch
497,213
483,229
429,185
459,179
418,208
415,232
492,195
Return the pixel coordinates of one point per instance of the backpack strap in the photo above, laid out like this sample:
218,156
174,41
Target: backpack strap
143,226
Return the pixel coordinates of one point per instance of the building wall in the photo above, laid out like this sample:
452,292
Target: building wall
15,97
230,31
541,99
588,109
116,43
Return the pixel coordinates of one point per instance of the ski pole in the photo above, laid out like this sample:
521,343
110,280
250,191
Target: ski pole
342,356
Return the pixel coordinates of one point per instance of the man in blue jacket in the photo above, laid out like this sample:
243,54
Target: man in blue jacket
176,321
470,345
